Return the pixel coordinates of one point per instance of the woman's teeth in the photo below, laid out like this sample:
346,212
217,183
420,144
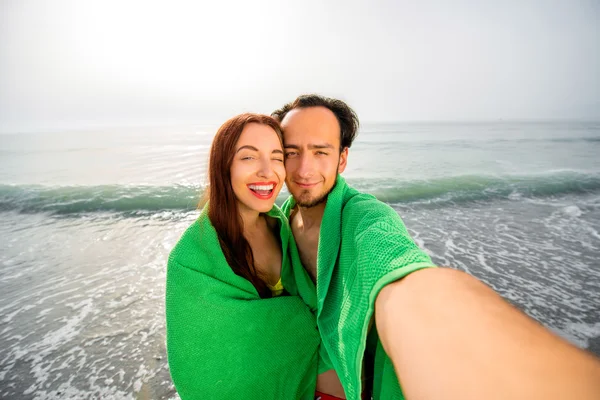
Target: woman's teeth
261,187
262,190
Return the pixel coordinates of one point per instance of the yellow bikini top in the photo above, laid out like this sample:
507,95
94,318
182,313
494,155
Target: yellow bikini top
276,289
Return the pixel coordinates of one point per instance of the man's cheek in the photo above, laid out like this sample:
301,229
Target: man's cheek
326,165
291,166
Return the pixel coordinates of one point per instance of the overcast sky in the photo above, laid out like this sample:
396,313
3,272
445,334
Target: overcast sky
66,64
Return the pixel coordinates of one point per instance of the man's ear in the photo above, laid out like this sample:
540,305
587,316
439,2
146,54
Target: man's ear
343,160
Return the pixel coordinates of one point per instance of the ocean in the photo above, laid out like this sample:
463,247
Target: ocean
89,218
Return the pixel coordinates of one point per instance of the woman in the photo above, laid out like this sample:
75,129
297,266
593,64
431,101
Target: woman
236,327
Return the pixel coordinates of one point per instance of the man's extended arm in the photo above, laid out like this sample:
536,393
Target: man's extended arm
452,337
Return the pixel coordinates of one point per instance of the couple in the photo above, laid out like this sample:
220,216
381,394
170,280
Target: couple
330,297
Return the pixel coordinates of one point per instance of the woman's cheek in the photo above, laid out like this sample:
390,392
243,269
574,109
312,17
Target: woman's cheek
281,172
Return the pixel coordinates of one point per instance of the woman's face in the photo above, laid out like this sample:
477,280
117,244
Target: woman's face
257,171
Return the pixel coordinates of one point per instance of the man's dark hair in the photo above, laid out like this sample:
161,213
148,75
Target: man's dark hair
346,116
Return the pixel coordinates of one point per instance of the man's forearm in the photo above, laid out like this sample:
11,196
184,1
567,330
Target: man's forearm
451,337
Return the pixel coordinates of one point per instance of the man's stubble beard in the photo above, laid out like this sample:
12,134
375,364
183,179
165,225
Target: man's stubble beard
319,200
314,202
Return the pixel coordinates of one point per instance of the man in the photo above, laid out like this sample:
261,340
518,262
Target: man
383,312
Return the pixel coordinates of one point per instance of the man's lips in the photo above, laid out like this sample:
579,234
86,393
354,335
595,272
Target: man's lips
306,185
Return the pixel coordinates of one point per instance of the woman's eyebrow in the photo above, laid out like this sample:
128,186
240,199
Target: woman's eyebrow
247,147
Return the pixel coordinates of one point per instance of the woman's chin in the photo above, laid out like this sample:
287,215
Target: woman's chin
265,208
264,205
259,206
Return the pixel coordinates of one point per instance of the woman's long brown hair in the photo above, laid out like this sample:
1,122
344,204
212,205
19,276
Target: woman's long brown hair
223,206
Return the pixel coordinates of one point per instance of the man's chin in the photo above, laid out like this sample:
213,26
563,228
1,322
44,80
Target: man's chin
305,201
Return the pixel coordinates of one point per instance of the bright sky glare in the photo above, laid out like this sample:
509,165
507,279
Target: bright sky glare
69,64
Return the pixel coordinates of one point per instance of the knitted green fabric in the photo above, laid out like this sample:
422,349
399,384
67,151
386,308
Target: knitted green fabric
363,246
223,340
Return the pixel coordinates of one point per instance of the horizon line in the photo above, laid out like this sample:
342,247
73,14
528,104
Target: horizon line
88,127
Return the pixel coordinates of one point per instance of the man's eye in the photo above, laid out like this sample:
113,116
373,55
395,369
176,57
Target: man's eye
321,153
291,154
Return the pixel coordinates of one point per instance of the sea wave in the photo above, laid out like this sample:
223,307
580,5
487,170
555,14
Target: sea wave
82,199
464,188
454,189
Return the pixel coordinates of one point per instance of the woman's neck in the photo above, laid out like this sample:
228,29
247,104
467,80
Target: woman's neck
252,221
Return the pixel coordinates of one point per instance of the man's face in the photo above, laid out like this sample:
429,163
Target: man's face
311,139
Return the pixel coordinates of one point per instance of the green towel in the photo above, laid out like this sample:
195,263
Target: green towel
223,340
363,246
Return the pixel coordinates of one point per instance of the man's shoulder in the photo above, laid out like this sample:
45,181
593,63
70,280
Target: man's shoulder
366,209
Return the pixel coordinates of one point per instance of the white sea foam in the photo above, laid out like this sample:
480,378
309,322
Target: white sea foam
88,323
579,333
573,211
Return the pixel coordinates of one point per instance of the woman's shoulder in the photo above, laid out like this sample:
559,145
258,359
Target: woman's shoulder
189,234
197,241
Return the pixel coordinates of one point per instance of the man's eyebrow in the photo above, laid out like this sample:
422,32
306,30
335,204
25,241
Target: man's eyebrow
247,147
310,146
320,146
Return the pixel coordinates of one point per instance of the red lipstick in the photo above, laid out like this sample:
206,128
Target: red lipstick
262,190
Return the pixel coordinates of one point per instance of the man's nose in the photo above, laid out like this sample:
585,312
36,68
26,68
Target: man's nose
305,168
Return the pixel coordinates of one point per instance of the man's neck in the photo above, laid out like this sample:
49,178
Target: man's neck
311,217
